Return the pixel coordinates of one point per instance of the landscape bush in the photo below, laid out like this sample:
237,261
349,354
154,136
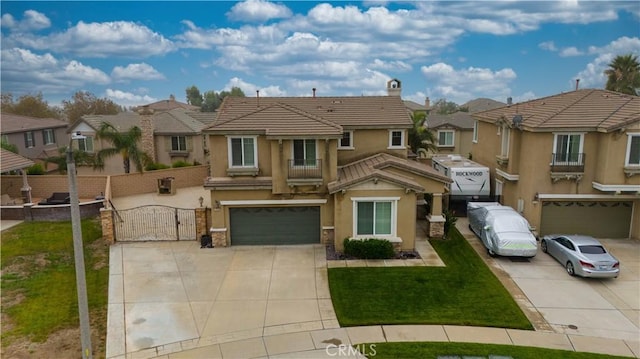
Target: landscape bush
155,166
370,248
36,169
181,163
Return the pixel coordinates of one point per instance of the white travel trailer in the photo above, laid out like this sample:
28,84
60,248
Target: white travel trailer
470,179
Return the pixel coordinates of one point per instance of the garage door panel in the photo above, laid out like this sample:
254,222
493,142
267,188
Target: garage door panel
602,219
274,225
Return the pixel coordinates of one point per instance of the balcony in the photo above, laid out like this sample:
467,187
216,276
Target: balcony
567,166
304,172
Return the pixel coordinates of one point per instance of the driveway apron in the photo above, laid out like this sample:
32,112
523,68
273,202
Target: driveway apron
166,293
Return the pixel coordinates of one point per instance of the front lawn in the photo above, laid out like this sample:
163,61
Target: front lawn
39,295
465,292
459,350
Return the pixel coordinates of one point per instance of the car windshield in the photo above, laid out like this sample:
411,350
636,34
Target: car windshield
593,249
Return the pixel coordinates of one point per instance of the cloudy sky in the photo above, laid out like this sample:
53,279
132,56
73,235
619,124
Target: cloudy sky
140,52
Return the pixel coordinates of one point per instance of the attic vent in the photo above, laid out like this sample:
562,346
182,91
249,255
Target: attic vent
336,101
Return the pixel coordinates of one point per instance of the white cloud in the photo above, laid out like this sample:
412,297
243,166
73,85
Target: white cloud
250,89
124,98
141,71
570,51
400,66
31,21
466,84
106,39
620,46
548,45
592,76
258,11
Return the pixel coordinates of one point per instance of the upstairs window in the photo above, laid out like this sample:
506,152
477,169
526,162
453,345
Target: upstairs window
568,148
504,146
304,152
29,140
178,143
446,138
86,144
346,142
48,136
396,139
633,150
243,152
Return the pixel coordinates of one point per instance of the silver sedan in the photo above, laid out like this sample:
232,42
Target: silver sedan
581,255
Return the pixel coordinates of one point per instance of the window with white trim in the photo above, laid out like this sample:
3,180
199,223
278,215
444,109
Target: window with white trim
633,150
346,142
86,144
29,139
475,131
504,146
396,139
446,138
179,143
304,152
243,152
375,217
48,136
567,148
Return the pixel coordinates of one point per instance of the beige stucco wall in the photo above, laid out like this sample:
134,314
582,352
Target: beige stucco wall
462,140
369,142
405,213
195,150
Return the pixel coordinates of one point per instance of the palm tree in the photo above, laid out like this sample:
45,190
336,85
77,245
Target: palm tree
419,135
624,74
124,143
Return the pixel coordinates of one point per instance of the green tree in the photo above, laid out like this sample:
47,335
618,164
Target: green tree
9,147
81,158
30,105
213,100
194,97
85,103
444,107
419,135
623,75
124,143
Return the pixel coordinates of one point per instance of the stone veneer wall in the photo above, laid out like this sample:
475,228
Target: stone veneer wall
146,126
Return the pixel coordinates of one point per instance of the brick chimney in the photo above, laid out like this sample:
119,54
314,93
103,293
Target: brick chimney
172,98
146,126
427,103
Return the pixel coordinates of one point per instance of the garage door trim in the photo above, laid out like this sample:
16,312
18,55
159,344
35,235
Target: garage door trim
271,202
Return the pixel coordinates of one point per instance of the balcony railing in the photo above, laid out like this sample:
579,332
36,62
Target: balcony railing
567,162
305,169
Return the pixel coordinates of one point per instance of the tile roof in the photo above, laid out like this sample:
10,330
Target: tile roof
461,120
10,161
16,123
279,119
348,112
414,106
586,109
482,104
176,121
170,104
373,167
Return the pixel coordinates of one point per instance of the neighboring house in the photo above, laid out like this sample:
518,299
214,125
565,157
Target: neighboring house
167,136
455,132
317,170
35,138
167,105
414,107
569,162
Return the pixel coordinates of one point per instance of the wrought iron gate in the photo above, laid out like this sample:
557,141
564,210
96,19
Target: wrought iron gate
155,223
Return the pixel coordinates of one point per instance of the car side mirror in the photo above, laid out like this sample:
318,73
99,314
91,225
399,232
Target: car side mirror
487,228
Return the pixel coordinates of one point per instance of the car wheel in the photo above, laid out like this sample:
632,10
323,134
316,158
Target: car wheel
543,246
570,269
491,252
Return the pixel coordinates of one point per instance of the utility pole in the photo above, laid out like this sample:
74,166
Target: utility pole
78,251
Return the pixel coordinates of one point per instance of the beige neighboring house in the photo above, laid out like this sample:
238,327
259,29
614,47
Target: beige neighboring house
288,170
35,138
167,105
569,162
455,132
167,136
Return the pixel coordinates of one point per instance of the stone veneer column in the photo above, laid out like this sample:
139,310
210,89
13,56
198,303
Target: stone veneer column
219,237
146,126
435,219
106,219
328,234
201,221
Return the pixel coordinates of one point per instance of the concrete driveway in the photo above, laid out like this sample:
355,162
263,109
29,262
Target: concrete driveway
171,295
606,308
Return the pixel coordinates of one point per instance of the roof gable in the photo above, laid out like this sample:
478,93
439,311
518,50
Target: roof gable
587,109
10,161
17,123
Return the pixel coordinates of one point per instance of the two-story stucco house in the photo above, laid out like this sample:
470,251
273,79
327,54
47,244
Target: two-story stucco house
167,135
35,138
569,162
316,170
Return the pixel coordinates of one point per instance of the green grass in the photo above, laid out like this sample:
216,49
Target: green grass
465,292
38,278
434,350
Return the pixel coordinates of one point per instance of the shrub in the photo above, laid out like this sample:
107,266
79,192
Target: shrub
450,220
181,163
155,166
370,248
36,169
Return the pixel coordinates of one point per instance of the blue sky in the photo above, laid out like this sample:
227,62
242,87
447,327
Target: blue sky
140,52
